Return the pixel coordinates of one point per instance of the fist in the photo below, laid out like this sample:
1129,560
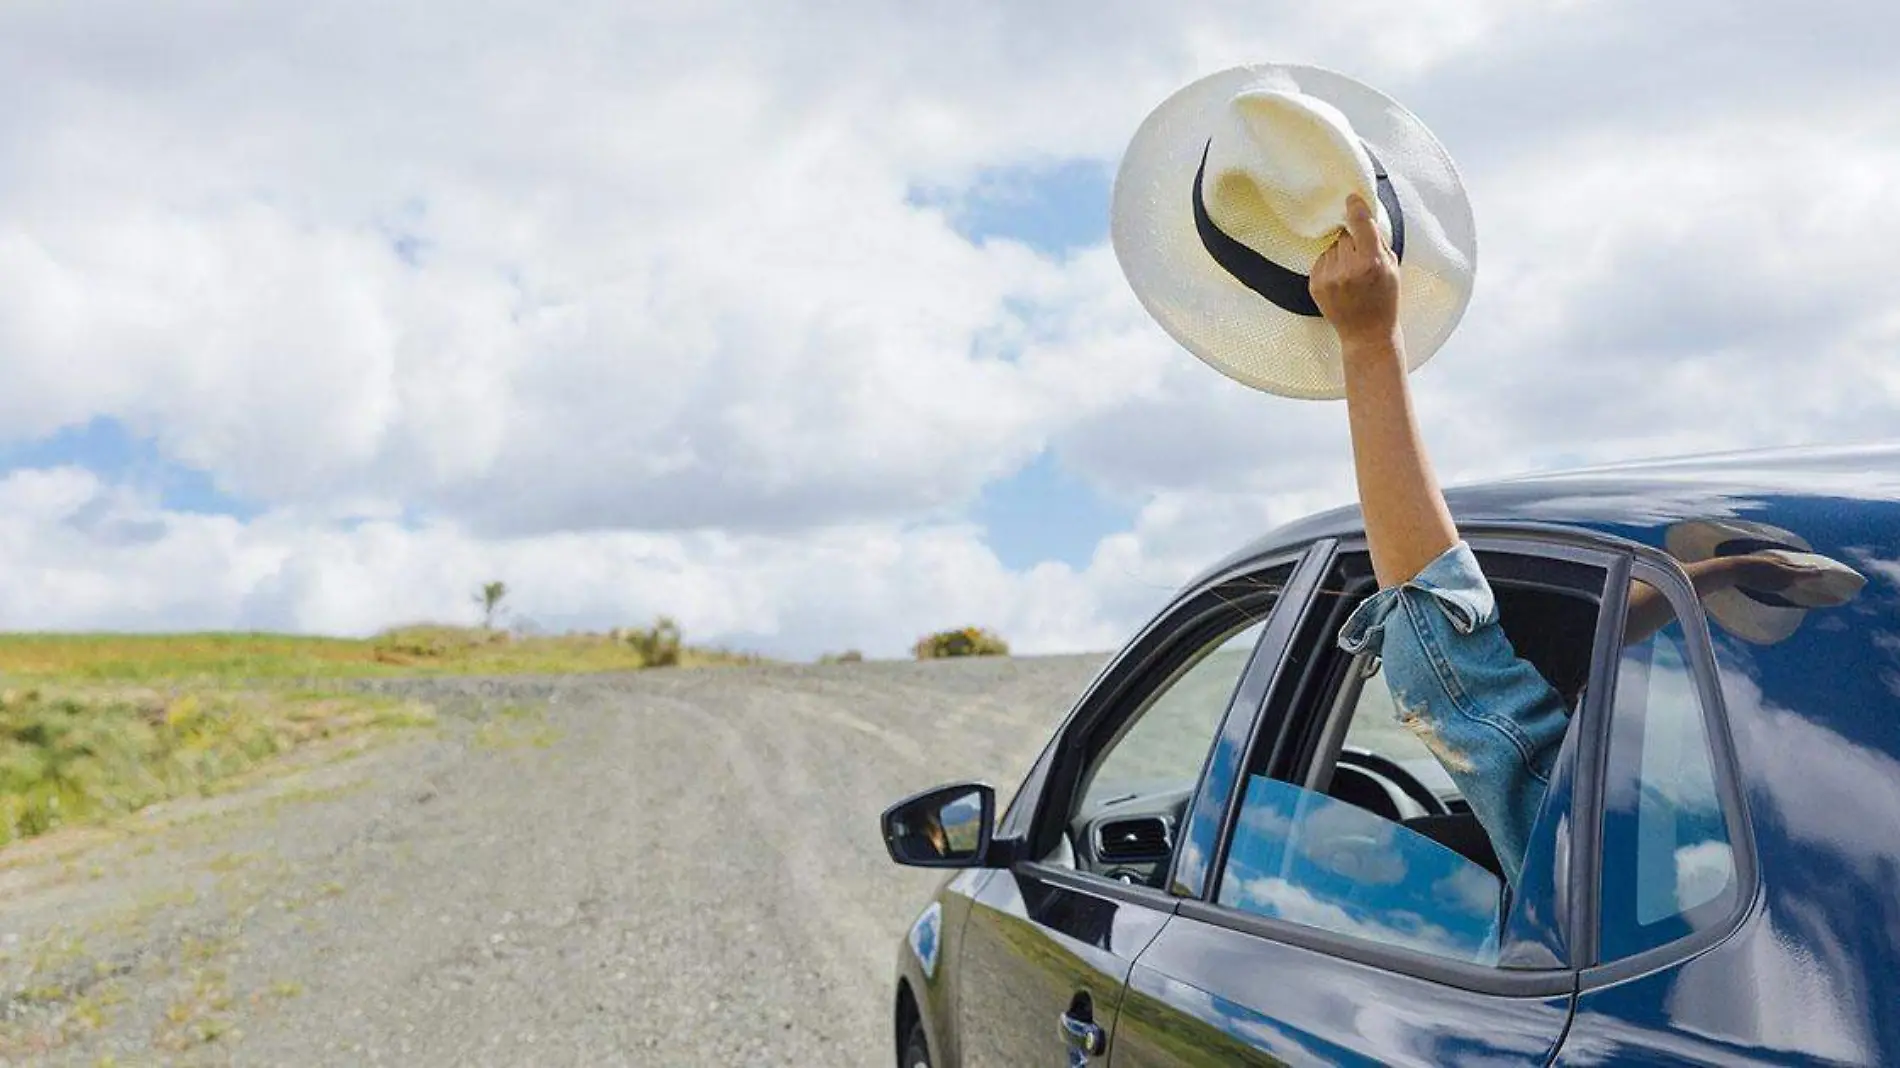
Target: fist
1356,282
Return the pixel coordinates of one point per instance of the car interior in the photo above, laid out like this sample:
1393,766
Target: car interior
1551,627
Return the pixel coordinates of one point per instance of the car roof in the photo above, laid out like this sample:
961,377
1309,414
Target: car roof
1810,490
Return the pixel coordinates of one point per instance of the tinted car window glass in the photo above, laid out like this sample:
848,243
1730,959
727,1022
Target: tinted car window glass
1168,741
1126,818
1668,865
1311,859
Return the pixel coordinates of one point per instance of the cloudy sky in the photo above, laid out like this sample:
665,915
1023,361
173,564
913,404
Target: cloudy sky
798,321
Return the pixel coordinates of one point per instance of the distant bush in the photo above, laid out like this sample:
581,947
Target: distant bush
969,641
849,656
657,646
429,641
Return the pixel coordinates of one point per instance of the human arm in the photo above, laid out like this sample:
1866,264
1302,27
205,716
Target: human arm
1489,718
1356,285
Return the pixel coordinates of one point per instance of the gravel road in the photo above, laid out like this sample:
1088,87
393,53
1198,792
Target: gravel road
669,868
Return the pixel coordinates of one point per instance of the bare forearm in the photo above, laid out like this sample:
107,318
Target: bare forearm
1407,522
1356,285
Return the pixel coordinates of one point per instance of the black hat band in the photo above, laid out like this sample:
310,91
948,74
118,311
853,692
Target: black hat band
1286,288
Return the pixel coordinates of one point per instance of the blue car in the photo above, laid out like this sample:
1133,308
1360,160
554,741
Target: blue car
1234,852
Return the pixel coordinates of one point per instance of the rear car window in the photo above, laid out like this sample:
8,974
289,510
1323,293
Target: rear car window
1668,861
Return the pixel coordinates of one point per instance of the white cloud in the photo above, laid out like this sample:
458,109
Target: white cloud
83,553
634,303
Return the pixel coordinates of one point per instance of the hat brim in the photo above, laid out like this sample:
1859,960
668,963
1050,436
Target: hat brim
1231,327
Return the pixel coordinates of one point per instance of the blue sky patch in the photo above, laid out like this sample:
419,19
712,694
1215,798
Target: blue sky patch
1055,209
1043,513
107,448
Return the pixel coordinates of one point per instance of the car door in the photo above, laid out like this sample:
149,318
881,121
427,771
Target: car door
1048,943
1671,980
1353,912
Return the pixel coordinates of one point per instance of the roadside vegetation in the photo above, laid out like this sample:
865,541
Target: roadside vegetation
72,756
94,726
967,641
426,649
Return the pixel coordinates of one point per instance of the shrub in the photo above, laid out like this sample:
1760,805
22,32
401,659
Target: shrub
658,645
849,656
969,641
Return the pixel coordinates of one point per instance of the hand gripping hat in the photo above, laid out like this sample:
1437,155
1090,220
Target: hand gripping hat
1761,617
1235,185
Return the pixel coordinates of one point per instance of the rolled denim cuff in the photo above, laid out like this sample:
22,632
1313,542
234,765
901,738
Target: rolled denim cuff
1453,582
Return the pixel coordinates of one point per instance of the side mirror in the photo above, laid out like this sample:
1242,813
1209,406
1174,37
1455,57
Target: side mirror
948,827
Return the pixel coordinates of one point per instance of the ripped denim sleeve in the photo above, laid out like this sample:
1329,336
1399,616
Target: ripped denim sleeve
1486,714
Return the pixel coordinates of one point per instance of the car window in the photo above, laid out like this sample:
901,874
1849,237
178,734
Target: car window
1341,857
1668,862
1314,860
1134,787
1168,741
1368,836
1375,729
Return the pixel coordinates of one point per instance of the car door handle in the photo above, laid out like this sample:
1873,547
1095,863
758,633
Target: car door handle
1083,1036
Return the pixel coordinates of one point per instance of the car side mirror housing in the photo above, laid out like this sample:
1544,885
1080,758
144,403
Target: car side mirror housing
946,827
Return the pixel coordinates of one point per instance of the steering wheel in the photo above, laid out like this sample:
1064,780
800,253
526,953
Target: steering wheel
1387,768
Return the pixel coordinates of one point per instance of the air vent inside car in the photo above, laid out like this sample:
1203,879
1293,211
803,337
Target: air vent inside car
1140,838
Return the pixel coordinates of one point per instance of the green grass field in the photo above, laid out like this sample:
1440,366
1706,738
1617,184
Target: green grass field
254,658
94,726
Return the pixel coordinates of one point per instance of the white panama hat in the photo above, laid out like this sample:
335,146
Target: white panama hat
1758,616
1235,185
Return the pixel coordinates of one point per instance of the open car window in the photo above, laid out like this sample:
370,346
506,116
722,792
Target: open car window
1374,732
1349,825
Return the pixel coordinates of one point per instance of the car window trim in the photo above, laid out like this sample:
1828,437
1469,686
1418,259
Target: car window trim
1483,979
1578,910
1085,882
1020,817
1214,798
1665,573
1589,548
1132,667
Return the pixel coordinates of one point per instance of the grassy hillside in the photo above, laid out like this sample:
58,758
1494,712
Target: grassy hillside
93,726
75,756
231,658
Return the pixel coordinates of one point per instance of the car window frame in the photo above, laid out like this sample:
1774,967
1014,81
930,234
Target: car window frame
1145,662
1531,540
1665,573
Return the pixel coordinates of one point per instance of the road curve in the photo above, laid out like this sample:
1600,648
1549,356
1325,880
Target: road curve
669,868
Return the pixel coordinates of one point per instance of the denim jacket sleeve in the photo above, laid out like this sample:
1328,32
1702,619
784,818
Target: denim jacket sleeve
1487,715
